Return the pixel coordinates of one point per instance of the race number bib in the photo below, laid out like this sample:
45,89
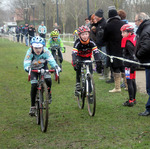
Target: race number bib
127,73
42,30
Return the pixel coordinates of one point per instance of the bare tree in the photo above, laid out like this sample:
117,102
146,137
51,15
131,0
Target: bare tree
75,8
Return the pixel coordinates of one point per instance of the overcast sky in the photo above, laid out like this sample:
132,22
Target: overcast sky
4,4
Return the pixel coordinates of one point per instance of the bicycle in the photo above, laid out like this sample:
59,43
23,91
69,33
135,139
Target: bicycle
54,51
87,88
42,99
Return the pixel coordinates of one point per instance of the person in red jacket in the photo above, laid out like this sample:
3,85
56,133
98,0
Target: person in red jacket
82,50
128,44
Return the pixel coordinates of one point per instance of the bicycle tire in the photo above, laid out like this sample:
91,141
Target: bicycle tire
43,103
37,113
81,96
57,78
91,96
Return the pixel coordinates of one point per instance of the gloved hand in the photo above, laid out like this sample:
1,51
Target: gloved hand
58,68
75,67
61,60
99,67
27,69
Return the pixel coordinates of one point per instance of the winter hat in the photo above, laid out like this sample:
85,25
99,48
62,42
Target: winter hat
112,12
99,13
89,17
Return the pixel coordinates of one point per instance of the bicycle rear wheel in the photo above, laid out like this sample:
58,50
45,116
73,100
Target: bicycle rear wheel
91,97
43,103
81,96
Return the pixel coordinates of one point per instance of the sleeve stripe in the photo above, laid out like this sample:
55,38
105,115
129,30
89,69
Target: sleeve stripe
95,48
76,50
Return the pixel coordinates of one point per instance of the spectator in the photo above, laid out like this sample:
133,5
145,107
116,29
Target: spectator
87,21
42,30
31,31
143,51
122,15
56,28
112,35
26,33
101,23
21,32
18,33
128,44
93,28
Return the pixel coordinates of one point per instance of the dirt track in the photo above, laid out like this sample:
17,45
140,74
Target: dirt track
140,75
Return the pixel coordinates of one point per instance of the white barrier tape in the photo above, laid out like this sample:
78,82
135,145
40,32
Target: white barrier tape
123,59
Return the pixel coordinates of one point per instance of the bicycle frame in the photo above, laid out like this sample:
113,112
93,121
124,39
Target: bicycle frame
55,50
87,88
41,100
86,67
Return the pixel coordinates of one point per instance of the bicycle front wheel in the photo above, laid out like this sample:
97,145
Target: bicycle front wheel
43,104
81,95
91,97
37,113
56,77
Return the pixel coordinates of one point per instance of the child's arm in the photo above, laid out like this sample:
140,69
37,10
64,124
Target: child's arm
28,59
49,57
48,44
62,46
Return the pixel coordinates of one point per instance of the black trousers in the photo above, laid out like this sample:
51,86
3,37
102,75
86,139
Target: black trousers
34,77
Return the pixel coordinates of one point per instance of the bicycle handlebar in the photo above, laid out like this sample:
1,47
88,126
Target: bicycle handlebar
43,70
39,71
87,61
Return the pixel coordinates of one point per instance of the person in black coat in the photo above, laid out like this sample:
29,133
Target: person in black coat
18,33
100,26
21,32
31,31
143,51
112,36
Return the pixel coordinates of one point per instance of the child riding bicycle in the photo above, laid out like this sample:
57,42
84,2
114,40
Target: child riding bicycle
55,40
82,50
37,57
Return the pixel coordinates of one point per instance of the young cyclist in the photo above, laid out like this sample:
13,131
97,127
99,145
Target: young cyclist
37,57
55,40
128,44
82,50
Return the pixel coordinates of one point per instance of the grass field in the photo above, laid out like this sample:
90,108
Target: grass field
112,127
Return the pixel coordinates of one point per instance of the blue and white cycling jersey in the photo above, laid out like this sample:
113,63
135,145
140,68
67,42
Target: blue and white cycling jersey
42,29
45,55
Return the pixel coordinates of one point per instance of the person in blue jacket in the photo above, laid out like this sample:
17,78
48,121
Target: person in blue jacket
42,30
38,52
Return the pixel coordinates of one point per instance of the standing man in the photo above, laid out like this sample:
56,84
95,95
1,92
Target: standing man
18,33
42,30
21,32
25,31
31,31
143,51
100,26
